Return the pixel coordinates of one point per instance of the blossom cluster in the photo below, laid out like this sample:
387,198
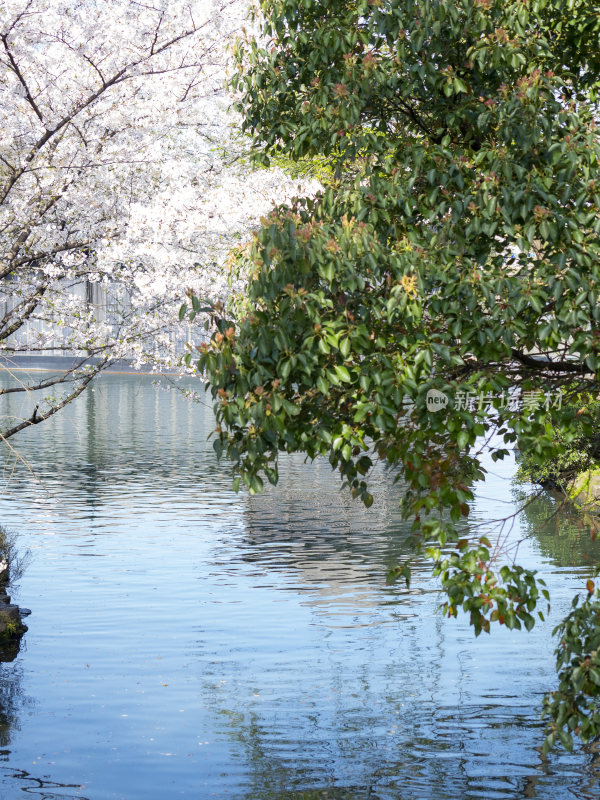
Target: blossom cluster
120,166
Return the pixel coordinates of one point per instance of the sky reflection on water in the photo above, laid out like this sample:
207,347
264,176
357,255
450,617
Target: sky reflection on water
188,641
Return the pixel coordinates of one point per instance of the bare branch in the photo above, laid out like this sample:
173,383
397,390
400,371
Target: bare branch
36,418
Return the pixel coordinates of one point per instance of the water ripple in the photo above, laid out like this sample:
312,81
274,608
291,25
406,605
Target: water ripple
188,641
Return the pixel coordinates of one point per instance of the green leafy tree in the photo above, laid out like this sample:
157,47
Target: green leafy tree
443,286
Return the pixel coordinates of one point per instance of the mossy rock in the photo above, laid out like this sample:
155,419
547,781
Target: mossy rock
10,619
584,491
11,629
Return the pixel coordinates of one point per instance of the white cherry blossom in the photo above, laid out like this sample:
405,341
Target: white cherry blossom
121,183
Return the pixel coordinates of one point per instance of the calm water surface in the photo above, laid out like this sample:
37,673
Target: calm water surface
186,641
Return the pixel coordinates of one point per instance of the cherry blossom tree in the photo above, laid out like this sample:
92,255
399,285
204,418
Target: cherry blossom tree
122,181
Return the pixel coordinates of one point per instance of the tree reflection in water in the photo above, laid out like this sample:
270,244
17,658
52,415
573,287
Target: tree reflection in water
564,535
12,704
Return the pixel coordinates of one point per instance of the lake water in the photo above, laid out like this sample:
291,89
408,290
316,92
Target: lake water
186,641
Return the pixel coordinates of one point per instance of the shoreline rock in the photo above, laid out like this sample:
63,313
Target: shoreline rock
12,627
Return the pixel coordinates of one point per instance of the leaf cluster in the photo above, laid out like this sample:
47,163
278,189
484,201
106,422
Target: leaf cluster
574,708
576,449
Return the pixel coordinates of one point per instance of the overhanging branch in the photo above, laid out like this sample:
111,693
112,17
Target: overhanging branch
543,365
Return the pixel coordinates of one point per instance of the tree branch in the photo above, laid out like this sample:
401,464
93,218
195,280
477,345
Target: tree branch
21,78
36,418
550,366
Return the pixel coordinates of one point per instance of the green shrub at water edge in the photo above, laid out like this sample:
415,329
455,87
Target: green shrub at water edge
576,450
